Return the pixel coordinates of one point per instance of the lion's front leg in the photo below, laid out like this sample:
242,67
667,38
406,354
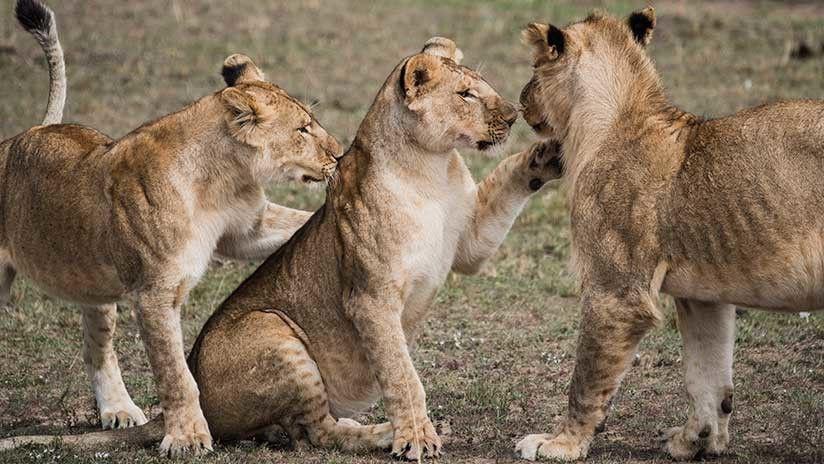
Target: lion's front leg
708,333
186,430
612,325
273,227
500,198
379,327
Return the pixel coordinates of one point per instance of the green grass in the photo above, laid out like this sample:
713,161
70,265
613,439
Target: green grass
498,350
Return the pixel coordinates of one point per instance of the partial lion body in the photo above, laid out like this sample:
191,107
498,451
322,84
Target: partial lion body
71,165
323,253
95,221
320,323
743,222
716,213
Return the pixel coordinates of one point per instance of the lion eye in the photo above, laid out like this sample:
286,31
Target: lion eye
304,129
467,94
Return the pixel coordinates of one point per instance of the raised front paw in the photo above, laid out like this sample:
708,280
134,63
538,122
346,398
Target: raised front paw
543,164
186,438
563,447
412,443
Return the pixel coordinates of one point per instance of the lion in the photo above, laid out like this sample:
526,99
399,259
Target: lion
716,213
323,328
94,221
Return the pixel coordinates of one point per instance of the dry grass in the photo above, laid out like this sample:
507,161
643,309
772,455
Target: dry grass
497,353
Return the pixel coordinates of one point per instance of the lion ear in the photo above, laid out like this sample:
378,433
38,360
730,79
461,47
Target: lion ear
239,68
441,46
641,23
419,74
546,39
249,122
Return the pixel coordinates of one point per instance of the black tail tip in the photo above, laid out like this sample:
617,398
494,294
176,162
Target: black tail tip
34,16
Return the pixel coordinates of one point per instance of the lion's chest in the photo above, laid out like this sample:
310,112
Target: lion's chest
436,220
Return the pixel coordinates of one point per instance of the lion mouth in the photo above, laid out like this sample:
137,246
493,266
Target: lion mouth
540,127
307,179
484,145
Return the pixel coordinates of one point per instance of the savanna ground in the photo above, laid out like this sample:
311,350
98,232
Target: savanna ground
498,350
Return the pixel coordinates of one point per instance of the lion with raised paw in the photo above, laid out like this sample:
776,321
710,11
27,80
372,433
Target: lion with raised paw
716,213
323,328
93,220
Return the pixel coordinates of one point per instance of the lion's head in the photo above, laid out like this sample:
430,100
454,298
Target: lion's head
288,140
563,58
451,106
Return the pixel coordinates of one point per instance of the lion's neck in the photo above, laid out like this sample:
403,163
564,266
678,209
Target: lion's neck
629,104
206,161
387,149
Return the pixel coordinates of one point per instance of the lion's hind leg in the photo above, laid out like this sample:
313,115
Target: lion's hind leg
117,410
276,387
7,275
708,333
347,434
311,418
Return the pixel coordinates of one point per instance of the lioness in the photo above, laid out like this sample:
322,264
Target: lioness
713,212
322,329
92,220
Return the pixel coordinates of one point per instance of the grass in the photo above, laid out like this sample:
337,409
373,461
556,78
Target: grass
498,350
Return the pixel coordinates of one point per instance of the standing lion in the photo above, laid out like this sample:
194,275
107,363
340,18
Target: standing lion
715,213
94,221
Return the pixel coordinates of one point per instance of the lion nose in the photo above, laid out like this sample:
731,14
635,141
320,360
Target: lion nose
509,113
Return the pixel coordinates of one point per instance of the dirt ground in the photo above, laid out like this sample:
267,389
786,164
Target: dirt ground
496,355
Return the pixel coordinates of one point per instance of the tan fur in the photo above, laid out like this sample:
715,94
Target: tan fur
94,220
715,213
323,328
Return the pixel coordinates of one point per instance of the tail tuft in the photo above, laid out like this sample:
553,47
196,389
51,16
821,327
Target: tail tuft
34,16
39,21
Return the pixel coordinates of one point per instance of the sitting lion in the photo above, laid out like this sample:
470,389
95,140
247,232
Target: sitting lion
93,220
322,329
715,213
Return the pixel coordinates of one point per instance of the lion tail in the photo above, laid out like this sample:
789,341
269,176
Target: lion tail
136,436
38,20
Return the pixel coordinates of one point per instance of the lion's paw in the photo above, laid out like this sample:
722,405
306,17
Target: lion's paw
412,445
543,164
683,445
192,439
678,444
122,417
561,447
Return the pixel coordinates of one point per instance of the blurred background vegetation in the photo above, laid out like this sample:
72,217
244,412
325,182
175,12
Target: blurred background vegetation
499,348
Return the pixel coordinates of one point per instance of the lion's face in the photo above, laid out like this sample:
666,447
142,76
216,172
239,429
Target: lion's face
452,106
289,141
548,99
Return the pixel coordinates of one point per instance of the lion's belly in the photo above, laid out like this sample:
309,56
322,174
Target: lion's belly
790,278
82,282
